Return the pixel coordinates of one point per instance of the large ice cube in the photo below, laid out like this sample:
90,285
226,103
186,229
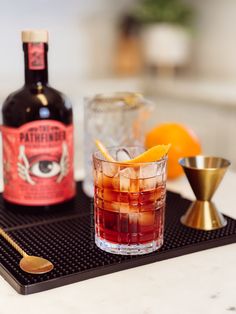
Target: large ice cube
147,218
148,174
148,184
122,155
124,183
148,171
129,181
110,169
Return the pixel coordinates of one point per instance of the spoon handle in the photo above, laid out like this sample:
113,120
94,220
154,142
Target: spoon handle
12,243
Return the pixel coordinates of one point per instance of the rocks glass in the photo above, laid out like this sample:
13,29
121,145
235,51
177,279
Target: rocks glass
129,203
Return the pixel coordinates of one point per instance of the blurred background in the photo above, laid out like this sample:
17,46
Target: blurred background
179,54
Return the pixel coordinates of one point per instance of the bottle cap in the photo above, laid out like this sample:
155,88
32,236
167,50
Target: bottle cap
34,36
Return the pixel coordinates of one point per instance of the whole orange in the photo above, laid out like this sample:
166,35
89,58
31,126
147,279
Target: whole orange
183,142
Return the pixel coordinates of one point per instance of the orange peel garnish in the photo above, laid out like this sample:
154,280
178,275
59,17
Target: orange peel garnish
153,154
104,151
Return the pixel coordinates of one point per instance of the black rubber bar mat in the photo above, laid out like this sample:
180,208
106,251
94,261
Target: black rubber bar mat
67,239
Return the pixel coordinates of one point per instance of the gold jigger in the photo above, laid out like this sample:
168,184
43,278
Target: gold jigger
204,175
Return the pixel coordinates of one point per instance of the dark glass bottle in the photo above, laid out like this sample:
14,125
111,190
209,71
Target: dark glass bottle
37,136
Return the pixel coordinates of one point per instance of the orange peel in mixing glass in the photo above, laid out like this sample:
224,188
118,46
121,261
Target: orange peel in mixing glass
153,154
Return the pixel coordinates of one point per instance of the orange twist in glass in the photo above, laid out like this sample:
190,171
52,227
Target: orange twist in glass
129,202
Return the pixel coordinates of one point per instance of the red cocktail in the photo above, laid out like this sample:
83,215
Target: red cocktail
129,204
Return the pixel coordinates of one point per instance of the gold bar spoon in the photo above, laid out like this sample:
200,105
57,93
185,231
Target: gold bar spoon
28,263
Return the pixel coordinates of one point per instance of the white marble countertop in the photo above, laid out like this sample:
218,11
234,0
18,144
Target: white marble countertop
203,282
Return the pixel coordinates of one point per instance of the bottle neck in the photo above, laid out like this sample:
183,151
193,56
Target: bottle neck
36,63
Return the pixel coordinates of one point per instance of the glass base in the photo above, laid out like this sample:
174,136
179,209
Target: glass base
126,249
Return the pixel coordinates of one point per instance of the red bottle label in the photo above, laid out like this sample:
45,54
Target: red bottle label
36,56
38,163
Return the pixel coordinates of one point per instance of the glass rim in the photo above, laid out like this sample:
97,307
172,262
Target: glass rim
181,161
117,97
160,161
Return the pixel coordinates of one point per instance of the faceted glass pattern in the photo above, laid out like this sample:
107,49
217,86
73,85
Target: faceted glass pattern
114,123
129,204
